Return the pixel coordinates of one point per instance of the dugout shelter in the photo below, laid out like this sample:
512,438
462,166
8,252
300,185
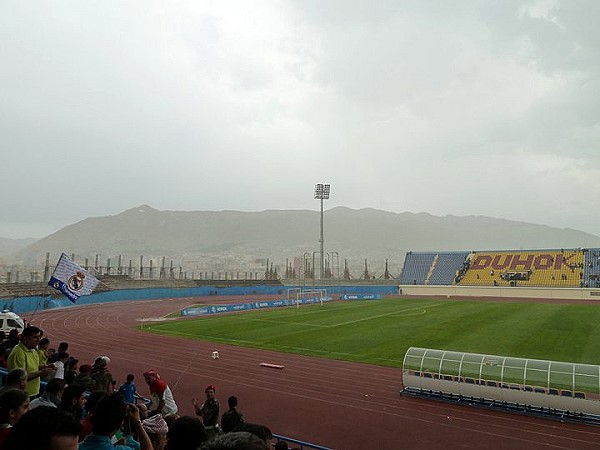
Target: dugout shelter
532,384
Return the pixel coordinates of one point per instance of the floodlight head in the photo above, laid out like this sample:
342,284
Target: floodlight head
322,191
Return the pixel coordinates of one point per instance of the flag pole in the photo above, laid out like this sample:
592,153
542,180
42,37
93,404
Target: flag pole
42,297
38,304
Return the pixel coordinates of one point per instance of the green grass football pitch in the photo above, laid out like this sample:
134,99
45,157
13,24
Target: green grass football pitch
380,331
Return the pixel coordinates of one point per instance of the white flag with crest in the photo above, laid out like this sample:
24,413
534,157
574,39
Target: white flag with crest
71,279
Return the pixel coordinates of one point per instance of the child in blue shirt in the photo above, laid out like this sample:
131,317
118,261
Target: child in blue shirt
128,390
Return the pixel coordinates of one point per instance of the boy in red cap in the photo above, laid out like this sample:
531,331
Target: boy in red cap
209,411
162,397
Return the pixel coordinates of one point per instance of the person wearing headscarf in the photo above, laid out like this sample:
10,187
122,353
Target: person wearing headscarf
157,429
160,394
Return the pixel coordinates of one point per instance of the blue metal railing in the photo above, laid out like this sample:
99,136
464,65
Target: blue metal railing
303,445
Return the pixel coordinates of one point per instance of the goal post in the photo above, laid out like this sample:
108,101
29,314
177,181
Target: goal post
320,294
292,293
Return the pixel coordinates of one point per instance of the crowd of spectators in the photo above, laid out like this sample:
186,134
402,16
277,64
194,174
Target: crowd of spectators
50,402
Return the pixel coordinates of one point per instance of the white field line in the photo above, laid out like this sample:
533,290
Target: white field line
401,313
418,312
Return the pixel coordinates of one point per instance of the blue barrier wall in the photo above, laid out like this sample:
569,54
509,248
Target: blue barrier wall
361,297
205,310
28,304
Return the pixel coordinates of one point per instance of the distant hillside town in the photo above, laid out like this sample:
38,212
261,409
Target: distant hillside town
143,243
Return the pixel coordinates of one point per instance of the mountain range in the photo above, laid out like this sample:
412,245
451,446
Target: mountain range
9,246
237,241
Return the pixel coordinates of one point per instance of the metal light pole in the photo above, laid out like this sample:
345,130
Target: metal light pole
305,268
334,258
313,272
322,193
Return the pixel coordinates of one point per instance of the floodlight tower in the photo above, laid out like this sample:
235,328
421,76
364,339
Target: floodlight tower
322,193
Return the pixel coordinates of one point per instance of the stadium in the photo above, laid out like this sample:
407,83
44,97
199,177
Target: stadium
163,166
361,366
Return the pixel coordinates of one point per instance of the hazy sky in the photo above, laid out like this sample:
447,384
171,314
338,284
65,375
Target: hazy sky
447,107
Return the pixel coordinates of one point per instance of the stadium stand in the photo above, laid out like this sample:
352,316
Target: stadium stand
437,268
541,268
416,267
444,269
524,268
591,269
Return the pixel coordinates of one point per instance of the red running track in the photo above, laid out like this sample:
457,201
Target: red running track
337,404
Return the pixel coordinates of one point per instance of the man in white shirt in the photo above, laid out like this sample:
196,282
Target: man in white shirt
51,396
